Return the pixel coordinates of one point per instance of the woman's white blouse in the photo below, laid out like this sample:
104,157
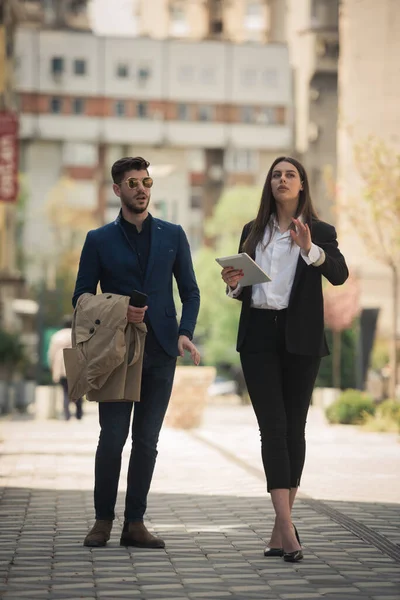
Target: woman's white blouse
279,260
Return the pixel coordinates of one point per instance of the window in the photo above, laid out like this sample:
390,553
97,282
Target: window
270,77
267,116
247,114
55,105
141,110
206,112
254,20
179,25
80,66
241,160
249,77
183,112
57,65
78,106
217,27
122,70
185,74
207,75
143,75
120,108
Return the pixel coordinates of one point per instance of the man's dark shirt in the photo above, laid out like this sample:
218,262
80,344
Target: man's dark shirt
140,241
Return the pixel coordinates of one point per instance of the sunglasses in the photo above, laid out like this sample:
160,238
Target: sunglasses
133,183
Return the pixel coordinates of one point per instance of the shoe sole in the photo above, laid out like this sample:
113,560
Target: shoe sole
100,545
139,545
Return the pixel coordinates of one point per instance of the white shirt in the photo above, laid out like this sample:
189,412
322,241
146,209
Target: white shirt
279,260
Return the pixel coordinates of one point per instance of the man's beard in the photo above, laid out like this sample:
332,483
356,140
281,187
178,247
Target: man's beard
135,210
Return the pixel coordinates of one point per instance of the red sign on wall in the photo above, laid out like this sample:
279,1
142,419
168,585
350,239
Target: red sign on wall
8,157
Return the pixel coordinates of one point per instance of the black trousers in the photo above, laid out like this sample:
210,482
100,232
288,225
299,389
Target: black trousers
115,422
280,386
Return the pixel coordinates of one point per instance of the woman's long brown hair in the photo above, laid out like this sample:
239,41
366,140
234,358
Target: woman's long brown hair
268,206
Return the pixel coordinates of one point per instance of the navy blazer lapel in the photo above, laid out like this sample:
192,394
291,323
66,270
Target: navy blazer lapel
155,240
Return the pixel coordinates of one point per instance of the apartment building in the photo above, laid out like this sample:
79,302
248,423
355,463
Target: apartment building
369,105
205,114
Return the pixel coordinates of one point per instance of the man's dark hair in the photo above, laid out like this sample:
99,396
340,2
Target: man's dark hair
129,163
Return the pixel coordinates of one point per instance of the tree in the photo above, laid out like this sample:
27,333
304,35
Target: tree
70,220
376,218
218,319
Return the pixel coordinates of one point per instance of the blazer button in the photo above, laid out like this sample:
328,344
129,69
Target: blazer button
97,322
91,330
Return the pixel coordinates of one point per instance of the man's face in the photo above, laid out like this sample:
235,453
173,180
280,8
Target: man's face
136,199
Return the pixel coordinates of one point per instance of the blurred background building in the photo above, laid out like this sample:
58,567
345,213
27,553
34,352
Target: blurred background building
210,91
369,106
207,114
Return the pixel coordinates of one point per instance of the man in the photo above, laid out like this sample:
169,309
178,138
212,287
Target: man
60,340
138,252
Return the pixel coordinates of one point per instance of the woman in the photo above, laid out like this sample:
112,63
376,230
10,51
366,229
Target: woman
281,331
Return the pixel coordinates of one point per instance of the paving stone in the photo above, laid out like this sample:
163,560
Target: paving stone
215,532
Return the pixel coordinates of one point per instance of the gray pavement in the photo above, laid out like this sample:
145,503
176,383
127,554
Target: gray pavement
209,503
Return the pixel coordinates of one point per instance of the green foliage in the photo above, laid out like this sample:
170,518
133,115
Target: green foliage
218,320
380,355
389,409
347,361
350,408
385,419
12,353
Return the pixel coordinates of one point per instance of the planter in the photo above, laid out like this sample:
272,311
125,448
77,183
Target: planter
189,396
47,402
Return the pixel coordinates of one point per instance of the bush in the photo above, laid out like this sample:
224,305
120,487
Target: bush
350,408
386,417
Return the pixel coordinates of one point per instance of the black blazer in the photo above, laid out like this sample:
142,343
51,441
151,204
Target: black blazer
305,313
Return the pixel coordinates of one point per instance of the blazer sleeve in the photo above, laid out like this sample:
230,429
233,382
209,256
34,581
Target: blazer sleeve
89,269
189,292
334,267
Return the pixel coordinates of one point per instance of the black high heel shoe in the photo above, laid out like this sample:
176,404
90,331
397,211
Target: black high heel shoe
296,533
297,555
273,552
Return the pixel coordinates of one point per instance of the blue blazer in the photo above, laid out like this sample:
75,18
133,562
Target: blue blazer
107,257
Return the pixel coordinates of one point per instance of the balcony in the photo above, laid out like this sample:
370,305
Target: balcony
326,50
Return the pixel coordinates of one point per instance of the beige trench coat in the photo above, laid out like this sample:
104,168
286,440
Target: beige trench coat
106,358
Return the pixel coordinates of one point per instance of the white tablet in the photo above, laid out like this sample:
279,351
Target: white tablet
252,272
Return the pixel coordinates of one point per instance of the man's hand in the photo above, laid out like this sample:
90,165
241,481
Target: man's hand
185,344
135,314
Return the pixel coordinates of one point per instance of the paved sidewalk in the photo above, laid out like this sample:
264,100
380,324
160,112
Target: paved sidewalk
209,503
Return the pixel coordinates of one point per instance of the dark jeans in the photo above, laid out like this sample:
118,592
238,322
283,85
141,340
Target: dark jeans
66,401
157,379
280,386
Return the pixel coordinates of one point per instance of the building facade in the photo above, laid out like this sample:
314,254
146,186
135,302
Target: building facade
240,21
204,113
313,39
369,106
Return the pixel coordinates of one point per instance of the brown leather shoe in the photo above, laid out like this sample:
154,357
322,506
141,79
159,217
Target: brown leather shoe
137,534
99,534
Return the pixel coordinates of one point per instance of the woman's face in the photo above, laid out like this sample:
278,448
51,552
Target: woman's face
285,182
